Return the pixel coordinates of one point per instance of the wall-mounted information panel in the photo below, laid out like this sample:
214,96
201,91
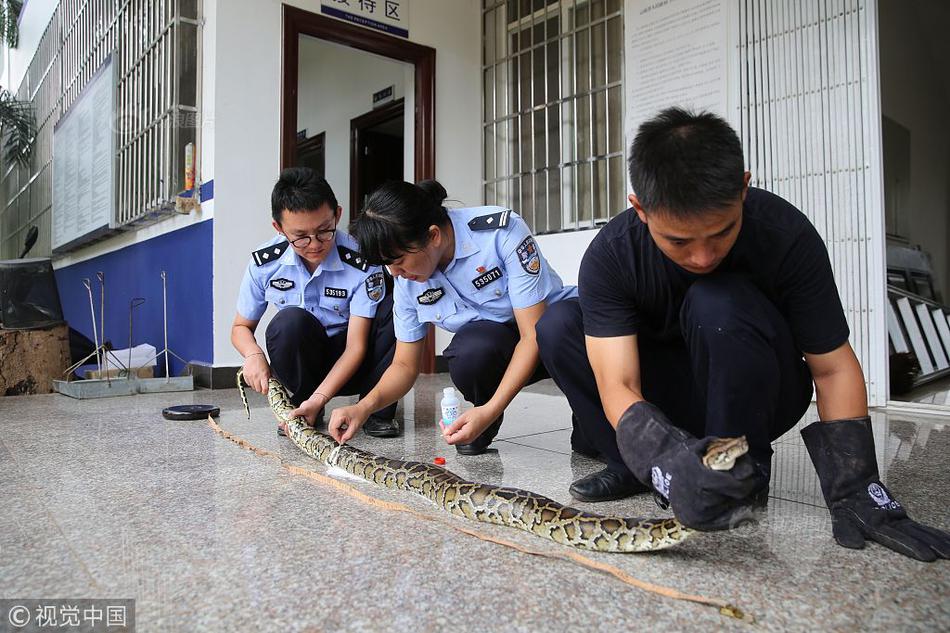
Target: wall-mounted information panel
84,165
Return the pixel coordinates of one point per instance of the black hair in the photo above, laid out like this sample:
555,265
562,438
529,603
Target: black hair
685,163
396,219
300,189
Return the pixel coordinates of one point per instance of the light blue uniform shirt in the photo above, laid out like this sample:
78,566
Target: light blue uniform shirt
497,268
343,284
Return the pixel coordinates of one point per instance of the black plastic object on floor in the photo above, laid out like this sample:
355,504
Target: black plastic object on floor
190,412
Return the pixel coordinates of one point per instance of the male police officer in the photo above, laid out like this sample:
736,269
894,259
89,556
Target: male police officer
333,332
698,305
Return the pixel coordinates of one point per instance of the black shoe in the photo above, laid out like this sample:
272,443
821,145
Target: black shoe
606,485
380,427
481,443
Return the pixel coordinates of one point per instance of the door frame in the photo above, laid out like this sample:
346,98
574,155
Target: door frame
366,120
297,22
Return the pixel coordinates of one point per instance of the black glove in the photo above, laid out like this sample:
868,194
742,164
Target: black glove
670,460
861,506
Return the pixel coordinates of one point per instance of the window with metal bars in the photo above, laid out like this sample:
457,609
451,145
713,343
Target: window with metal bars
155,48
553,110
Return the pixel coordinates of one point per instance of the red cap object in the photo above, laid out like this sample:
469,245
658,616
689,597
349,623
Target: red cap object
440,461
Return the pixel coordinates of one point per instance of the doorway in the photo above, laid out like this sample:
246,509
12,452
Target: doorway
376,151
315,46
915,96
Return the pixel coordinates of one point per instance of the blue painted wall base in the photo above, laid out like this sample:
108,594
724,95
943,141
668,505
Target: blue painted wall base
134,271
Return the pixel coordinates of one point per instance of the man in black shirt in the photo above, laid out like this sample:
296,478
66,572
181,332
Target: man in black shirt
707,310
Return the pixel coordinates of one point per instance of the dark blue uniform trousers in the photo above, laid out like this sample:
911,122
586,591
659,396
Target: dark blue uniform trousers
302,354
479,355
736,371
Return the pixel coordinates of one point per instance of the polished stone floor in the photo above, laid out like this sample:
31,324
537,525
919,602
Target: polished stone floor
105,498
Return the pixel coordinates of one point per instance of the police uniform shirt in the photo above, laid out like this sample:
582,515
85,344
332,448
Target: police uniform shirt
497,268
628,286
343,284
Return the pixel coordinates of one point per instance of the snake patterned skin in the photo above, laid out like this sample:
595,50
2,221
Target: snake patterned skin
480,502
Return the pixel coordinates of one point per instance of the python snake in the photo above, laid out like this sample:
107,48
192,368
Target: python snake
512,507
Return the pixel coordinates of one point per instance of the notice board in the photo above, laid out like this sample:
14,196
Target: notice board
84,165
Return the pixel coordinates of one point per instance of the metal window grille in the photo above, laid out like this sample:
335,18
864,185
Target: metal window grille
553,110
809,117
155,47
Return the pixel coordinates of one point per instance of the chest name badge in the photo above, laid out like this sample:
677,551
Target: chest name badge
430,296
483,280
529,257
338,293
281,284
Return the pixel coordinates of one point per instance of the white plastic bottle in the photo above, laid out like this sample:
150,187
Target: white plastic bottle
450,406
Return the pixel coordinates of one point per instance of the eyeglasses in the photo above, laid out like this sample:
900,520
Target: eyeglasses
322,236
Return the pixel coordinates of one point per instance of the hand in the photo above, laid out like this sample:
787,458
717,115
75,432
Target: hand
346,421
669,459
256,372
468,426
861,507
310,408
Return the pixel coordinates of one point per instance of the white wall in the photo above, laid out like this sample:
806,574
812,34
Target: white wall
914,94
328,98
247,126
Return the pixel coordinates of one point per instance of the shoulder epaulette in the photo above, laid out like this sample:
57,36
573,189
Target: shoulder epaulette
491,221
353,258
269,253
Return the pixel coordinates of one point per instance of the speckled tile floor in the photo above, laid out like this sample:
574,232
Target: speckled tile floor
105,498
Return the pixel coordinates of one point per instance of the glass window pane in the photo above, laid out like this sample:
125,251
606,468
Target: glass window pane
537,55
599,192
600,123
513,151
554,135
489,46
526,145
489,97
617,186
596,9
567,66
501,34
584,215
615,120
525,100
568,131
583,61
553,66
583,123
540,140
501,90
614,49
490,152
501,149
554,200
581,14
598,58
540,203
526,204
490,196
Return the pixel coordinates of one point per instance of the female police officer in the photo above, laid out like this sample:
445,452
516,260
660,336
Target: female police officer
476,272
333,331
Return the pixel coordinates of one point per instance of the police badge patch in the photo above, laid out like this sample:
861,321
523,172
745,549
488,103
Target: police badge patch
281,284
430,296
374,286
529,257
